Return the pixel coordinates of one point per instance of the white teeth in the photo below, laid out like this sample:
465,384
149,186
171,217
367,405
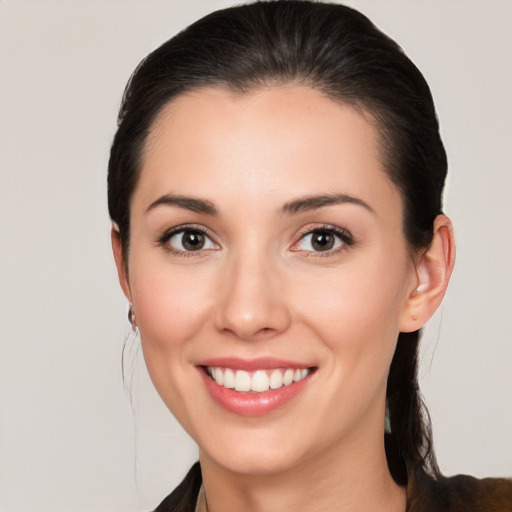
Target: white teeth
218,376
276,379
288,377
242,381
229,378
259,381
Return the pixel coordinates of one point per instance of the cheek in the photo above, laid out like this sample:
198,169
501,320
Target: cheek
356,312
173,310
172,307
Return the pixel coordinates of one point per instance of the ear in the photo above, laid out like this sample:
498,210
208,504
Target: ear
122,269
433,270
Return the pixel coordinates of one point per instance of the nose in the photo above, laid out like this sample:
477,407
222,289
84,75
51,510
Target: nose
252,303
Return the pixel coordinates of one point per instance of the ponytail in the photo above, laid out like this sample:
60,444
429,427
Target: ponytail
409,445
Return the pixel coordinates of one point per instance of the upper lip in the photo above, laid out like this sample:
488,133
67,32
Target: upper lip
259,363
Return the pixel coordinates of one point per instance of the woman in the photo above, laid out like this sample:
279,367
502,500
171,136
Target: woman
275,190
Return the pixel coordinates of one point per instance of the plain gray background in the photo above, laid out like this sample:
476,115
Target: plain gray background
69,439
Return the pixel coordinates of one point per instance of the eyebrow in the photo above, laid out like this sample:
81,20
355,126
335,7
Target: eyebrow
296,206
313,202
188,203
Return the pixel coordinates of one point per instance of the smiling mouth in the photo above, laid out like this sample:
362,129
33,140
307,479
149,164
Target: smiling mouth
258,381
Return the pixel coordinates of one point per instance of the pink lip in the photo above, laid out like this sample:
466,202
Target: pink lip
252,404
268,363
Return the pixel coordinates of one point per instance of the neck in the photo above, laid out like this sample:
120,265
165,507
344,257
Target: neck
355,479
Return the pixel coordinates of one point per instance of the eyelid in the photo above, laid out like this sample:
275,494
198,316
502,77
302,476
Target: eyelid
164,238
343,234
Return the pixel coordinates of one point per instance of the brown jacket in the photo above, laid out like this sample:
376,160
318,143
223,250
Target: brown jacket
460,493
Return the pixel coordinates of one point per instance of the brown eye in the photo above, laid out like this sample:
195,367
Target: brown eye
323,240
190,240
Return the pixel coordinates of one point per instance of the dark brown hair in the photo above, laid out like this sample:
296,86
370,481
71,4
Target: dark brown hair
338,51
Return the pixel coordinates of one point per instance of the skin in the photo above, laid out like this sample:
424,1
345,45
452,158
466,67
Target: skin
260,288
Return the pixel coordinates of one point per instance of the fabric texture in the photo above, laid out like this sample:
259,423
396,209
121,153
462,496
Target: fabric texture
459,493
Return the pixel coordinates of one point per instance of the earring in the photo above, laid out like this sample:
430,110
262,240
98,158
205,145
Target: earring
132,320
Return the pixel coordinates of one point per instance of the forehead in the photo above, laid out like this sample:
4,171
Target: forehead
268,142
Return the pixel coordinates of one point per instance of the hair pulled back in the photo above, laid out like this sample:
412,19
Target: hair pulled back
339,52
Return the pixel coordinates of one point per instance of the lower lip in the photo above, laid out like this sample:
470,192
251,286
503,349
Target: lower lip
252,404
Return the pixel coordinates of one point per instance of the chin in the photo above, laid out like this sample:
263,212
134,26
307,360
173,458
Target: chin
263,451
256,461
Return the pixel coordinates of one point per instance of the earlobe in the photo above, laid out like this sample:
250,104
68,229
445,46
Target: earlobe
117,249
433,271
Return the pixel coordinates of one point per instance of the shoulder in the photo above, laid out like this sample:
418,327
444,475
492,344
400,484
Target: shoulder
184,497
458,493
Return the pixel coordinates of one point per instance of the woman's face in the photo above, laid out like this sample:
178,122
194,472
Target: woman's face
267,249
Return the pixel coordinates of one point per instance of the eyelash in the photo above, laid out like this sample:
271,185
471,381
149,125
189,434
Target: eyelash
342,234
163,240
